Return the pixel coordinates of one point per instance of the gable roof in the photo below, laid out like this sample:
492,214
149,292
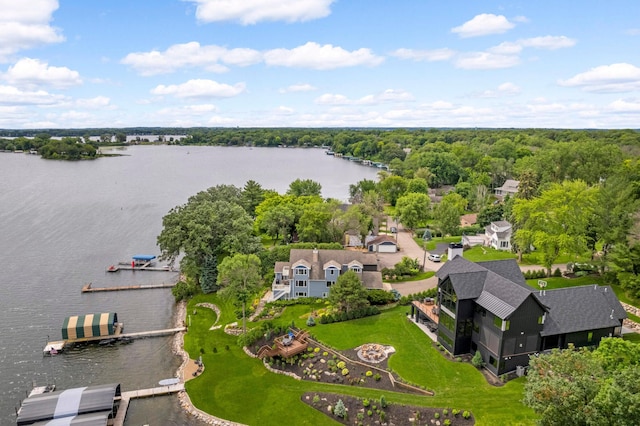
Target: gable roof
582,308
498,286
510,185
380,239
338,259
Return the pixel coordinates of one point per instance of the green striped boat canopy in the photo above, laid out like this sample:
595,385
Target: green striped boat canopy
90,325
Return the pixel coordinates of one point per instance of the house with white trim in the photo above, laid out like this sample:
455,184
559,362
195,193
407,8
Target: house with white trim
498,235
311,273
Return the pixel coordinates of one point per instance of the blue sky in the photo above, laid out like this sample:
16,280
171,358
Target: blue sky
320,63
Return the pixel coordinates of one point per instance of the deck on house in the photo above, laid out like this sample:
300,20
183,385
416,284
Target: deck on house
286,346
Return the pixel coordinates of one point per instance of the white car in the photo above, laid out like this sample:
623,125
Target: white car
434,257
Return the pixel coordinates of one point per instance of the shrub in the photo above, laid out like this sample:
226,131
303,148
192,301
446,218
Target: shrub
380,297
325,353
345,371
341,365
311,321
316,399
340,410
445,412
366,402
377,377
455,412
436,415
557,272
369,413
369,373
316,350
360,416
466,414
477,360
383,402
447,422
382,416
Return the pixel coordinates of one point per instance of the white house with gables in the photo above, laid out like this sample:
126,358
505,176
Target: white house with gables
498,235
311,273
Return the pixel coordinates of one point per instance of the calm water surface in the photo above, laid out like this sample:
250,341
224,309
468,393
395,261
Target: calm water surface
63,223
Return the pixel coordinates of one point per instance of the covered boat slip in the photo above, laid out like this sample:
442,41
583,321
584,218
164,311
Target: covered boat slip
90,326
87,406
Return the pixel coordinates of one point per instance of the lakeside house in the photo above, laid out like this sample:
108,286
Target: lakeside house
488,307
311,273
509,187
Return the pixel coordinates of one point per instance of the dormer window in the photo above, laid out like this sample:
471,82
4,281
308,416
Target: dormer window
356,269
302,271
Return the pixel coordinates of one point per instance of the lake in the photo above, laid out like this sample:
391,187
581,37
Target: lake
63,223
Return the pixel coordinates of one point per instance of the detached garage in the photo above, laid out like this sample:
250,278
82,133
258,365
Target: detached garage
382,244
91,325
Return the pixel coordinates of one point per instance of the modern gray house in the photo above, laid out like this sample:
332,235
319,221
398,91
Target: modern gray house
311,273
488,307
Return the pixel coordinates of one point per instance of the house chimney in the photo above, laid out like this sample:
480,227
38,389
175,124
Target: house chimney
315,255
455,249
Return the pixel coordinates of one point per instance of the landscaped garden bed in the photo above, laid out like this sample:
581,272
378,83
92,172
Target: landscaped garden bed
365,366
350,410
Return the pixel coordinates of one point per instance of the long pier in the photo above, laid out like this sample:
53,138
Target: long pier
59,345
126,397
87,288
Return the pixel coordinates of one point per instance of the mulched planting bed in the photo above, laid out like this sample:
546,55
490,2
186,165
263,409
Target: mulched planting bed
391,415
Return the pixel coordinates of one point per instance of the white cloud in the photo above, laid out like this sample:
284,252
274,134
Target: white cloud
548,42
249,12
485,60
10,95
187,111
25,26
192,54
424,55
625,106
199,88
216,58
302,87
283,110
314,56
612,78
99,102
483,24
389,95
29,72
505,89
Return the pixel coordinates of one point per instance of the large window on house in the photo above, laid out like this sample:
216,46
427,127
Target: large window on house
301,283
447,321
356,269
504,244
301,271
301,294
448,297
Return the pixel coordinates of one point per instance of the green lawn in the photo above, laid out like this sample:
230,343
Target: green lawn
431,244
482,254
237,387
561,282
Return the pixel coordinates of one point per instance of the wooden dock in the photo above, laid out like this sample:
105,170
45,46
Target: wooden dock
59,345
126,397
88,288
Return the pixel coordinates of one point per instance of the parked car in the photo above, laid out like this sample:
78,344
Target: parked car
434,257
394,230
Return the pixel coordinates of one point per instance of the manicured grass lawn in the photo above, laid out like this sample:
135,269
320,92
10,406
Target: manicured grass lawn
632,337
482,254
561,282
237,387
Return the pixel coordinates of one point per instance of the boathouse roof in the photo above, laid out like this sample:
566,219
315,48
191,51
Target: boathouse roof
145,257
90,325
91,405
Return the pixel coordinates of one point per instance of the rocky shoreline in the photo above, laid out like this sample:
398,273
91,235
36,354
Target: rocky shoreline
183,397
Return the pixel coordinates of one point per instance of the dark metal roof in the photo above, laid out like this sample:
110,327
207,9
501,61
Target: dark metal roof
94,419
68,403
574,309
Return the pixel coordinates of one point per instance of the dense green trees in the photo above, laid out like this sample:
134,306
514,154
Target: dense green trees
583,387
210,224
555,222
413,209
